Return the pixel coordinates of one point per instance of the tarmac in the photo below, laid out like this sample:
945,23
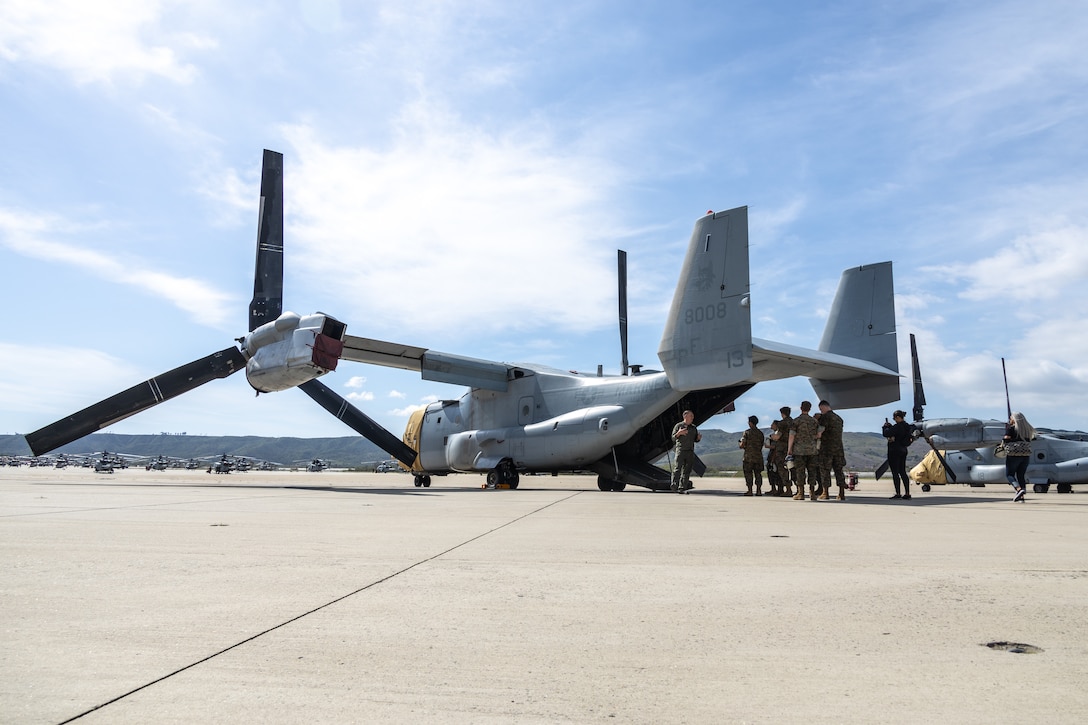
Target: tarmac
178,597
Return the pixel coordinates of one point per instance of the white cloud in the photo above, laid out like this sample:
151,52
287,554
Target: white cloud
1036,267
39,383
509,225
356,381
397,394
28,234
409,409
97,42
363,396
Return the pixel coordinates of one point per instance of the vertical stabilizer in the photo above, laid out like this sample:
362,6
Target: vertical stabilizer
862,325
707,341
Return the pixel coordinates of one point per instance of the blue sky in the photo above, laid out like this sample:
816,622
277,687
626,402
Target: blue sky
458,176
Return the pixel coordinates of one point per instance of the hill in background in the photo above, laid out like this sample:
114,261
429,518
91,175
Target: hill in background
718,449
347,452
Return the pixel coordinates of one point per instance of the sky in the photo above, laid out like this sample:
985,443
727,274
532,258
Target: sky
458,176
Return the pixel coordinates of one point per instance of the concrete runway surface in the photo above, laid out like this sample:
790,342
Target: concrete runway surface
177,597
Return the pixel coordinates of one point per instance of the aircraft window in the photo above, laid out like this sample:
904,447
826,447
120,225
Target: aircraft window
438,421
525,410
445,440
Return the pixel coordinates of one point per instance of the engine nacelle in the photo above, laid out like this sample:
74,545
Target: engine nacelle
292,350
963,433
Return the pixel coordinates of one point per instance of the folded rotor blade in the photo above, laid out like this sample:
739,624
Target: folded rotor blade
267,303
621,276
135,399
359,421
916,372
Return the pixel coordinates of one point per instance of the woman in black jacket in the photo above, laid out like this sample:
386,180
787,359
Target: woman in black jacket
900,436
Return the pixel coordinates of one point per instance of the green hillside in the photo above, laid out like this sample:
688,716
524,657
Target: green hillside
347,452
718,449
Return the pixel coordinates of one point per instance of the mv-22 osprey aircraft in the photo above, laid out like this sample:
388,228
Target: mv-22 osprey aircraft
520,418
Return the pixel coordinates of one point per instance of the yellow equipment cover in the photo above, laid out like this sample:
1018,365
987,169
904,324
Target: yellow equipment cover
929,470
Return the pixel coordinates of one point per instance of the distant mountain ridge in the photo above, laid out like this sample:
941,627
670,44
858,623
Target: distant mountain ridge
346,452
718,449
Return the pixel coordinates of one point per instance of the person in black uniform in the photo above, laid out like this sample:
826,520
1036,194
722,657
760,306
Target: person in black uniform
900,435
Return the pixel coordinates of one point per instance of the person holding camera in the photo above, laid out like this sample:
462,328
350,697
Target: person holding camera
900,435
684,437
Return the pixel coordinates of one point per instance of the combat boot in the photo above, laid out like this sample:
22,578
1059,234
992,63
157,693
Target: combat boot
823,493
800,496
786,490
842,493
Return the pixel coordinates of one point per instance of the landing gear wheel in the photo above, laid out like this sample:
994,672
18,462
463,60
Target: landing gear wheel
1039,487
926,487
607,484
1065,488
417,480
426,482
505,474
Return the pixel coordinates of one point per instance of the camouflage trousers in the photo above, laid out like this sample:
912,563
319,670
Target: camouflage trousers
829,463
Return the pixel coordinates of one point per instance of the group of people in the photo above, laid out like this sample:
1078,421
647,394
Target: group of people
1016,444
808,451
802,452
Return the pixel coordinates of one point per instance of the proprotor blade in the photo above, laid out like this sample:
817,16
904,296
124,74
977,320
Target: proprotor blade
359,421
137,398
919,393
267,301
621,275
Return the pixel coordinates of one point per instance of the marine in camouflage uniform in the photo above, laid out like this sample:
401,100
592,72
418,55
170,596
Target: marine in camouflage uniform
781,445
832,455
773,478
751,441
802,447
684,436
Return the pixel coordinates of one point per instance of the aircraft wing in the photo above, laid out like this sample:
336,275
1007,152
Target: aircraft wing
432,365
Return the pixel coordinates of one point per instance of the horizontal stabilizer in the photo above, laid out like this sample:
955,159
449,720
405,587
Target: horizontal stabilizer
844,382
707,342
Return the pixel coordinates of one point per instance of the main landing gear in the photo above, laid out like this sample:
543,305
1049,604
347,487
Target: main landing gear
607,484
422,480
504,475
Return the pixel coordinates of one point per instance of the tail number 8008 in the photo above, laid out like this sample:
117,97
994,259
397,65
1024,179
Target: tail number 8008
704,314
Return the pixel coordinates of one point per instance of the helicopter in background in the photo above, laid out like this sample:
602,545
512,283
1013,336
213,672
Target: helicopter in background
965,450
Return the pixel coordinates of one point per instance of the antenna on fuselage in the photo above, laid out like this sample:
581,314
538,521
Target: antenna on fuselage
621,275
